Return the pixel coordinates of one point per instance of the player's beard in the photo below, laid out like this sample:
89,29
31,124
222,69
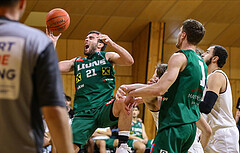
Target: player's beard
92,50
209,61
179,42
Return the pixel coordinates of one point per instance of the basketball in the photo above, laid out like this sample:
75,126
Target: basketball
57,20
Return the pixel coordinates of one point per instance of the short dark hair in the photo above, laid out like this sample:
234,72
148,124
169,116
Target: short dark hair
100,41
194,31
136,107
222,54
8,2
161,68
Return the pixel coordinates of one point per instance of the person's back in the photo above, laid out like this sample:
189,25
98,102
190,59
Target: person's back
184,96
29,80
18,106
180,103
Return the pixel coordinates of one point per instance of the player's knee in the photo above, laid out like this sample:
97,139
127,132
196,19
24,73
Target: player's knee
102,143
141,147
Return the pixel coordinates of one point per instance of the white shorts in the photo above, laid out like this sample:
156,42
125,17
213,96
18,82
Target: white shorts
224,140
196,146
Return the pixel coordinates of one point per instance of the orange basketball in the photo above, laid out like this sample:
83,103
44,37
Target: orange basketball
57,20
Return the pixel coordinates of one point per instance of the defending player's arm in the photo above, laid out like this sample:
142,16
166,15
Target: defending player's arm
152,103
215,83
177,63
66,66
121,57
206,131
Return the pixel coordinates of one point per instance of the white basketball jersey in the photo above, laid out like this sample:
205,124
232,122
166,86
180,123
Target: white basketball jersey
221,115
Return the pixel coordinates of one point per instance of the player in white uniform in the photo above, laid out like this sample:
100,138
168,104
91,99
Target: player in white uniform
217,104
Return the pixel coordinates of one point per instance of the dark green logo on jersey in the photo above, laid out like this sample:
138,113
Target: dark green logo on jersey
78,77
105,70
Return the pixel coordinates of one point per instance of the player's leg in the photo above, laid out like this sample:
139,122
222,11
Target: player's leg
124,123
115,143
114,113
82,128
224,140
90,145
139,146
111,143
196,146
176,139
101,144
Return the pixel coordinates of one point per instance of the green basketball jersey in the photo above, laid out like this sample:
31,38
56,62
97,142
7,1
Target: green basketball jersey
136,129
94,82
180,103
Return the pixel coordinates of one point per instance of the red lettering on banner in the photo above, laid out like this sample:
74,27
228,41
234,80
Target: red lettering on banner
4,59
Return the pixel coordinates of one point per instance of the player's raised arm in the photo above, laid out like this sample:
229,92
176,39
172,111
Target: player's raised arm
52,36
121,56
66,66
176,64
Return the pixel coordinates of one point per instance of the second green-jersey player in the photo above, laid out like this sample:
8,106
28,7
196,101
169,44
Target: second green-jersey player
180,106
185,95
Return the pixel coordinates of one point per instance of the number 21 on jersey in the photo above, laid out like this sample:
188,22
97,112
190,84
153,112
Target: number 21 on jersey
90,73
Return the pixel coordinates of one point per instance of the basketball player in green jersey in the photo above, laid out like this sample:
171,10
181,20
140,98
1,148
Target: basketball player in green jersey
181,87
138,138
95,83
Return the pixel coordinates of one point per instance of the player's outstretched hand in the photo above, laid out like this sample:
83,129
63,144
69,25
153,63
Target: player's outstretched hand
52,37
121,93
